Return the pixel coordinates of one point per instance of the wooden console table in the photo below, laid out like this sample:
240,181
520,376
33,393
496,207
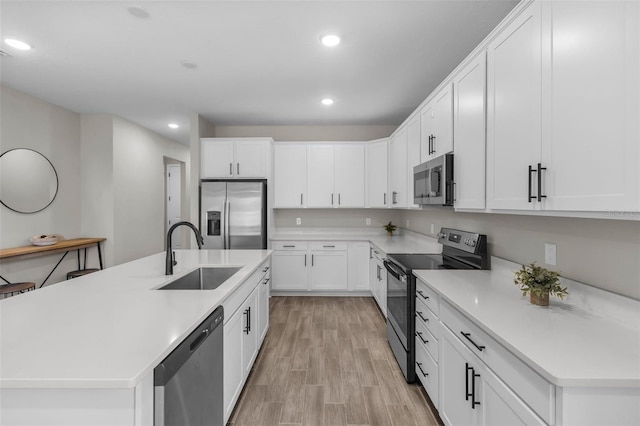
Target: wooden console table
64,246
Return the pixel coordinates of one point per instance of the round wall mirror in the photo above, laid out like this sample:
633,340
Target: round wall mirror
28,181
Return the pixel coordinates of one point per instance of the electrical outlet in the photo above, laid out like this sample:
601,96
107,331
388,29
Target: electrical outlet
298,221
407,223
550,253
433,228
367,221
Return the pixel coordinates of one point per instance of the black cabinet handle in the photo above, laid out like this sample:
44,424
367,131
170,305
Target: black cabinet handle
266,280
419,313
238,169
305,260
287,246
339,199
466,380
433,144
230,169
331,199
530,197
468,337
419,364
248,319
385,198
329,246
540,169
419,334
422,294
473,389
300,199
311,260
266,268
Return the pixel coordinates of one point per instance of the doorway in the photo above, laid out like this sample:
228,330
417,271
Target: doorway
173,201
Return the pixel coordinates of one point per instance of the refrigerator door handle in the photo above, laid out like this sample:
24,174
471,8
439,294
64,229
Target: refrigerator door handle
226,231
224,224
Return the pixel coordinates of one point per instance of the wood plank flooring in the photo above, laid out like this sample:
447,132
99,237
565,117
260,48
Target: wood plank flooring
326,361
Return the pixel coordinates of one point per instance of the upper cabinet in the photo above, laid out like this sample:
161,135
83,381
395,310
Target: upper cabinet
377,173
234,158
469,88
436,122
289,174
563,96
413,155
398,169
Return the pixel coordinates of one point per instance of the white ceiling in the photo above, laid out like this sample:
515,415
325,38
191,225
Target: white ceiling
259,62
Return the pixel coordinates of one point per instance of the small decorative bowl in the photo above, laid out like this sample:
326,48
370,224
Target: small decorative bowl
44,240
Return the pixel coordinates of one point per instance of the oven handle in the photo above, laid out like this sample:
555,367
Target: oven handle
390,267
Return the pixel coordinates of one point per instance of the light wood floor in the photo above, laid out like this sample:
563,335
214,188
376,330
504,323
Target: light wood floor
326,361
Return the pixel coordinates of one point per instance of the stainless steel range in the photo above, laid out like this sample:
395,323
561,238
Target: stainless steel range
460,250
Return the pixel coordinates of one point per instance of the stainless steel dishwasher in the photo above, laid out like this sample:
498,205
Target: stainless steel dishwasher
188,383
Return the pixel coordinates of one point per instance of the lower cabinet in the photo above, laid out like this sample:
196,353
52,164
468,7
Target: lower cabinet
320,266
244,332
378,279
473,395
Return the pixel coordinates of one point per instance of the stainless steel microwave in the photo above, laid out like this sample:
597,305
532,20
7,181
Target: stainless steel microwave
433,182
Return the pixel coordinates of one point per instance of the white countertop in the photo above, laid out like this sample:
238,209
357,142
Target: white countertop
566,343
109,329
400,242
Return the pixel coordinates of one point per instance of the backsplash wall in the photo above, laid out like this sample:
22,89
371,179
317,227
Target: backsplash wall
335,218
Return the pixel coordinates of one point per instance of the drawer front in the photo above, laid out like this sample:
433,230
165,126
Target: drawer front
377,254
428,318
328,245
425,338
427,296
289,245
526,383
427,372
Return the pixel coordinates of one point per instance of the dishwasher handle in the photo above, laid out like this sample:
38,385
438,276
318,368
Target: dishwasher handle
180,355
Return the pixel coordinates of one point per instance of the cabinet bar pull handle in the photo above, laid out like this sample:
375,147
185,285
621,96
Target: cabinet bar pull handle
466,381
385,198
329,246
249,316
266,268
468,337
394,197
419,364
230,169
370,252
419,334
473,389
238,169
434,144
331,199
266,280
288,246
530,197
540,169
311,260
422,294
301,199
305,260
419,313
246,328
339,199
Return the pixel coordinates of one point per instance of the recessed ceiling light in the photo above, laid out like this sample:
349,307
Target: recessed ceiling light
17,44
330,40
173,125
138,12
327,101
190,65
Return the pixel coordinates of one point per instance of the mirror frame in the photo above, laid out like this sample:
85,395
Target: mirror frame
55,172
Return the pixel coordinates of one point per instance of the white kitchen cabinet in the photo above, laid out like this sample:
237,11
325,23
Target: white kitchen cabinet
547,148
469,88
329,269
378,279
232,358
398,169
377,173
249,331
242,158
413,156
471,394
263,305
436,121
358,266
289,266
335,175
290,174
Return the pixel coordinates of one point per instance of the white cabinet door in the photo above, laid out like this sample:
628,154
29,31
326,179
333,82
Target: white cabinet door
377,173
250,159
359,266
378,283
469,110
263,308
514,111
413,156
398,169
289,270
320,176
349,174
591,153
232,358
290,173
443,122
329,270
216,159
426,132
249,331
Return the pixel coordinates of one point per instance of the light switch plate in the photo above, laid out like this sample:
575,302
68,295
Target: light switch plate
550,253
367,221
298,221
433,228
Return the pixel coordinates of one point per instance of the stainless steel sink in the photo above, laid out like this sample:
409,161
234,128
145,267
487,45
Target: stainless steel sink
202,279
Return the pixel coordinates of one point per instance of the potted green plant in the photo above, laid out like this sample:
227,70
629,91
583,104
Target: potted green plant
539,283
390,227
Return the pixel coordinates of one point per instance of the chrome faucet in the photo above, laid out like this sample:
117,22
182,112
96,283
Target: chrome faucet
171,255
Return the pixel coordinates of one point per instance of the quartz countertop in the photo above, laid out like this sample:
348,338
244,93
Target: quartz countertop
400,242
566,343
110,329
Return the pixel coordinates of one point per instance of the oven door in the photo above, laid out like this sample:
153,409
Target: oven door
398,290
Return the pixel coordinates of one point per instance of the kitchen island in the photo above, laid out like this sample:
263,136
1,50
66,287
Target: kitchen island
89,346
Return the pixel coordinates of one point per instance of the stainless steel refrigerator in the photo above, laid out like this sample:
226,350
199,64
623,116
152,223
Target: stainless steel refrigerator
233,214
